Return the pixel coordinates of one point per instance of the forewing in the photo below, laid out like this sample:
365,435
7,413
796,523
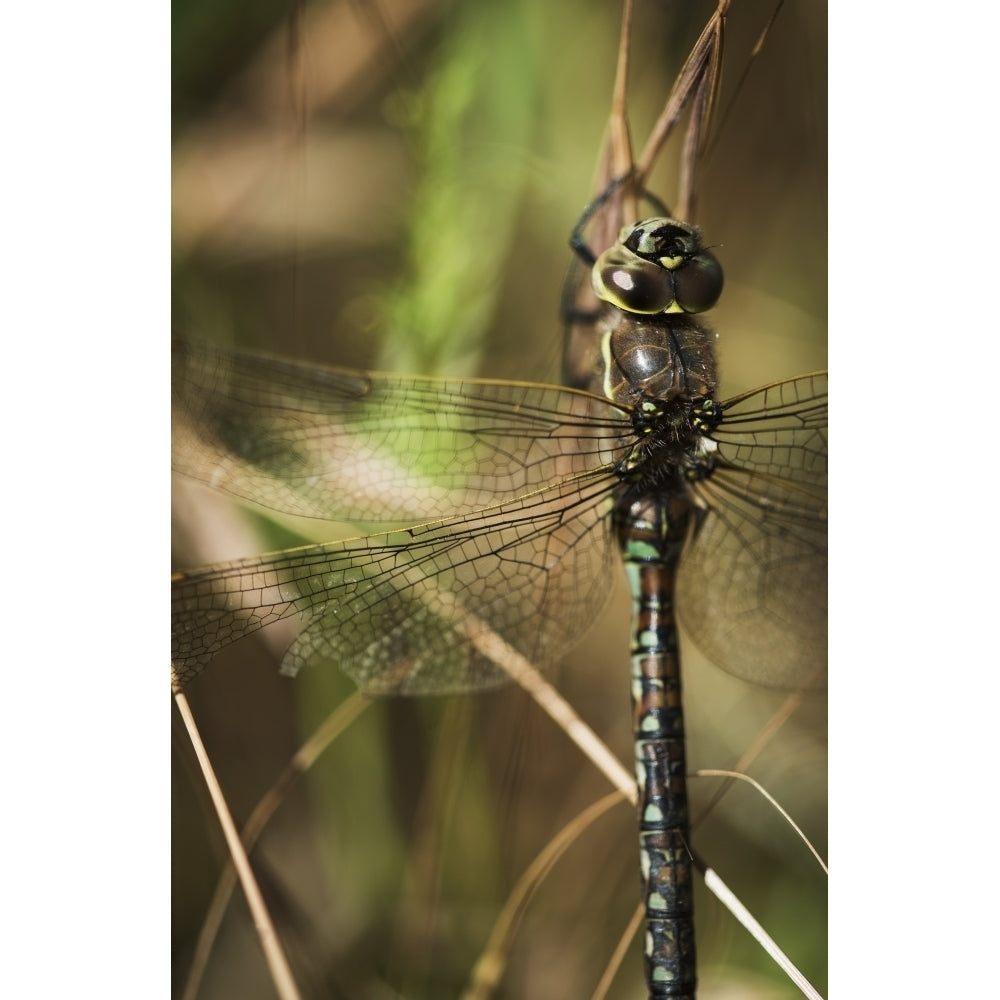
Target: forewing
753,581
349,445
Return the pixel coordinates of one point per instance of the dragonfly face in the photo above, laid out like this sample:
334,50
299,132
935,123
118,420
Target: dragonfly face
391,785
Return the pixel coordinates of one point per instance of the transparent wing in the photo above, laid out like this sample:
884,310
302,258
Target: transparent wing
348,445
753,581
398,611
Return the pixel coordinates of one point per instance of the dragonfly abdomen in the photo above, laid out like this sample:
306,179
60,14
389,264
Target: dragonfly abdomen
651,533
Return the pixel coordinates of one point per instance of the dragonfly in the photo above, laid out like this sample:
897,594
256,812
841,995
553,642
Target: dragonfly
578,459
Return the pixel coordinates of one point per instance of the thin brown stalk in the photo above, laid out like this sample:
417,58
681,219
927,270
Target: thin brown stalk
277,963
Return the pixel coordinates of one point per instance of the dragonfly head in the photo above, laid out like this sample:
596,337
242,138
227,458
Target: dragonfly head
658,266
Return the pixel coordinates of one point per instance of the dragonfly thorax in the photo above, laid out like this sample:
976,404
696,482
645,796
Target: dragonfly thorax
669,450
664,358
664,369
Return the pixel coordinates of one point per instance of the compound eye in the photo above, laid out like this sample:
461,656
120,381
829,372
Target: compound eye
658,266
699,282
632,284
